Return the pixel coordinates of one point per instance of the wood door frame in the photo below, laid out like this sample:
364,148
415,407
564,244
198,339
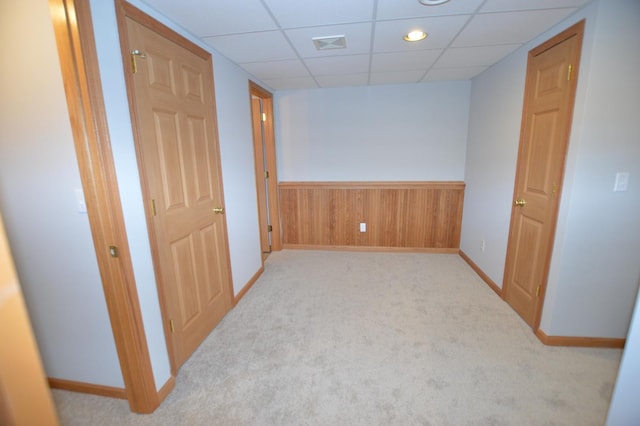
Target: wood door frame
125,10
73,28
270,157
576,30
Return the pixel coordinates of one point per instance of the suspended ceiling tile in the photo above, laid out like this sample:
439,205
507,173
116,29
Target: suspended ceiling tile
273,38
508,5
210,18
474,56
291,14
297,83
277,69
346,80
402,61
396,77
453,73
388,36
253,47
337,65
358,38
394,9
508,27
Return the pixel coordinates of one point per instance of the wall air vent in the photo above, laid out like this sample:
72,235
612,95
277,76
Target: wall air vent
330,42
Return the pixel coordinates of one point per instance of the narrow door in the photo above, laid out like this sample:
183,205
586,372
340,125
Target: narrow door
172,99
552,73
258,117
265,167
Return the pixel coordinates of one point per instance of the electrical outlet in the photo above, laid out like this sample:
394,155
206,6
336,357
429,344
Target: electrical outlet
363,227
482,245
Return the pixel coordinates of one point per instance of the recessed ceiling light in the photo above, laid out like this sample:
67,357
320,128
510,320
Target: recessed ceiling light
432,2
415,35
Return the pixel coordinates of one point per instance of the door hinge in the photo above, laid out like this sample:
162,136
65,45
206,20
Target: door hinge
569,72
264,117
554,189
134,65
153,207
113,251
270,228
173,329
266,174
538,291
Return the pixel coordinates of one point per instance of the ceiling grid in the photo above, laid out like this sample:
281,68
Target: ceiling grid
273,39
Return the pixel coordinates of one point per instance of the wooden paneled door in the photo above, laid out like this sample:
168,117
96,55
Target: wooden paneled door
172,103
265,166
552,73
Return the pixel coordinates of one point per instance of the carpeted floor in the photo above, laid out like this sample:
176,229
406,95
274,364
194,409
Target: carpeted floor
349,338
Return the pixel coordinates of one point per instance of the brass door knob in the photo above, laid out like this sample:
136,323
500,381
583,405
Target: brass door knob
218,210
519,202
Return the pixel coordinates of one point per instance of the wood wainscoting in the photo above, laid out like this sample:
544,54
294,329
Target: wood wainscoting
421,216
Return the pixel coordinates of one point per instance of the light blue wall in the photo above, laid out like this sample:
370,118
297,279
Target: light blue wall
51,241
594,271
375,133
624,408
124,157
236,147
597,259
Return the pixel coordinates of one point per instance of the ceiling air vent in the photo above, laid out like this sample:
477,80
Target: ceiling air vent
330,42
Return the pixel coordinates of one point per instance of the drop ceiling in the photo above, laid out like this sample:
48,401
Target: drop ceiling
273,39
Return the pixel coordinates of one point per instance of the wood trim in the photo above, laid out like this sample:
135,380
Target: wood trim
415,215
73,29
481,274
586,342
160,28
374,185
248,285
582,342
73,386
259,167
372,249
166,389
270,157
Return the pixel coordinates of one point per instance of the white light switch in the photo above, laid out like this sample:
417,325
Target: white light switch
82,206
363,227
622,182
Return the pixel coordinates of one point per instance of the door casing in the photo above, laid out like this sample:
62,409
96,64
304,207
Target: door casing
265,155
73,28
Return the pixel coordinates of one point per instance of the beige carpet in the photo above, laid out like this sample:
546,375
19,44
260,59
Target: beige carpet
344,338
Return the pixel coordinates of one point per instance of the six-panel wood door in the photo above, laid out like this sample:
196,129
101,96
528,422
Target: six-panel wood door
174,115
549,94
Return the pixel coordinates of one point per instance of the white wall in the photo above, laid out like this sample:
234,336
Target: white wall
375,133
594,271
50,240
